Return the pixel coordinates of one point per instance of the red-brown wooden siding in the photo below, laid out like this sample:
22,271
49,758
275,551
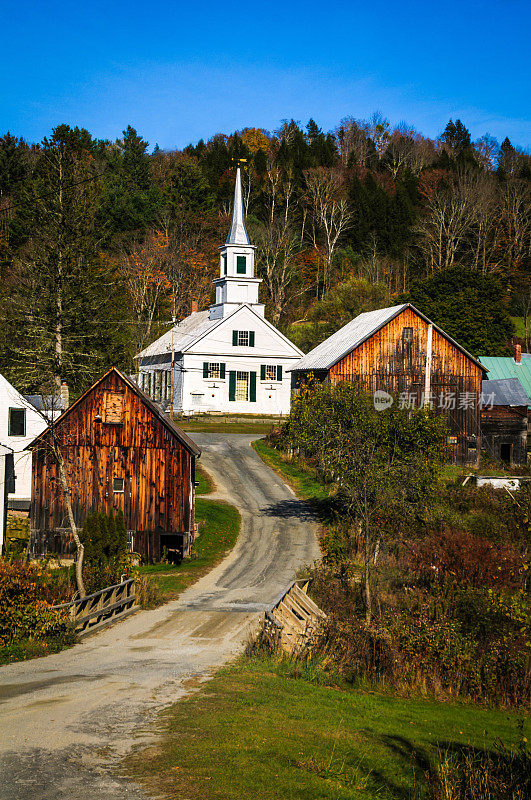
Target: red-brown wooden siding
157,469
383,362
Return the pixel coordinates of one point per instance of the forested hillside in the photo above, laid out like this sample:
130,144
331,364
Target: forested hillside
101,243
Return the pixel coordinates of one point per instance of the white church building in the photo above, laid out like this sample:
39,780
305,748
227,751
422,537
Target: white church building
229,358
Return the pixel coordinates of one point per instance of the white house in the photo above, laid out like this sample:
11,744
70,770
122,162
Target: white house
229,358
20,423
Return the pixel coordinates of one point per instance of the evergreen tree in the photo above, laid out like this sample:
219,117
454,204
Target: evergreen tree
469,306
65,298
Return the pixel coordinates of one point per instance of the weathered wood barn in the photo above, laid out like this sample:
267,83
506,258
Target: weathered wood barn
400,351
504,419
120,452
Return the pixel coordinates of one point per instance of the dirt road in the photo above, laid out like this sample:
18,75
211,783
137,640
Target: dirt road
66,719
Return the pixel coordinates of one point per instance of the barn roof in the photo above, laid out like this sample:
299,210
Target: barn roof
357,331
504,392
500,367
153,407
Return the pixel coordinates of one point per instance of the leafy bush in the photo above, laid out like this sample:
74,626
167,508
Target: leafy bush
25,611
106,557
457,641
464,558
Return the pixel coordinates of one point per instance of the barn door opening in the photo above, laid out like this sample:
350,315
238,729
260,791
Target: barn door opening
506,452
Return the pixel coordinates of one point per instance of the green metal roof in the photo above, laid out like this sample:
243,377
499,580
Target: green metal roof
500,368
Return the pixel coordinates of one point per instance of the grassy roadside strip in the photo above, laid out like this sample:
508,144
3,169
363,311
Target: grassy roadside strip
304,482
257,731
219,525
196,426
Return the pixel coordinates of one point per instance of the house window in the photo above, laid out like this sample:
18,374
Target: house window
241,265
407,334
242,386
113,408
213,371
118,485
167,396
17,422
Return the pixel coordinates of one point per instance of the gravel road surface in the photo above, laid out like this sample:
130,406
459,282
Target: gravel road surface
67,719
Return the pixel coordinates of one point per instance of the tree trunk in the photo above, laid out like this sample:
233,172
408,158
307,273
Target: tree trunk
68,501
368,598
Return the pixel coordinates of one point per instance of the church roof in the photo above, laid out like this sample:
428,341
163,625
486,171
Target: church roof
237,233
185,334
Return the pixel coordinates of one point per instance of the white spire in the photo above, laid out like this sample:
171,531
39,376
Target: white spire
237,233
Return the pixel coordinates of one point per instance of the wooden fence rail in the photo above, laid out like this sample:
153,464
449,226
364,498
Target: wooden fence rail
95,611
293,619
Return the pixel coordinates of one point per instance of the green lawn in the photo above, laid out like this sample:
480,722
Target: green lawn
255,732
219,525
228,423
204,483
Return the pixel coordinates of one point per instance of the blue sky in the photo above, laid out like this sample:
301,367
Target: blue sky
181,71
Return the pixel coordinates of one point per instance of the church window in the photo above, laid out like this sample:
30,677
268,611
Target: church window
241,265
242,386
271,372
213,370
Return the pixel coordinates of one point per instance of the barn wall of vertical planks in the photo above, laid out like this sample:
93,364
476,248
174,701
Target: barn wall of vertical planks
120,452
416,362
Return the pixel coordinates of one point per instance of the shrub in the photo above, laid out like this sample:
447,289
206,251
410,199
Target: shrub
106,557
24,610
463,558
469,774
148,593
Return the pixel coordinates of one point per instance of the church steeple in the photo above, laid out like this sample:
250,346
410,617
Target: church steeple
237,233
236,284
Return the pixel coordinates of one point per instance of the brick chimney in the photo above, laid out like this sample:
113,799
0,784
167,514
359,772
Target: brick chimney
518,353
195,308
65,395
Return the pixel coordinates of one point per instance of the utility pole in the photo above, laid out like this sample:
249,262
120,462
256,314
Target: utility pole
172,376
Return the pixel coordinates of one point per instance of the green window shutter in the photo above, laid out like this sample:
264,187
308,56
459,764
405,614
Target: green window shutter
232,385
222,371
234,338
279,372
224,263
241,266
205,369
252,387
262,372
251,338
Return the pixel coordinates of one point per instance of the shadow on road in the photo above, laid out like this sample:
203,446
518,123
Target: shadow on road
286,509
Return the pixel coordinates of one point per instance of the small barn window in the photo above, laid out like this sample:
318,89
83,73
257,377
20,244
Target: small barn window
407,334
17,422
113,404
118,485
